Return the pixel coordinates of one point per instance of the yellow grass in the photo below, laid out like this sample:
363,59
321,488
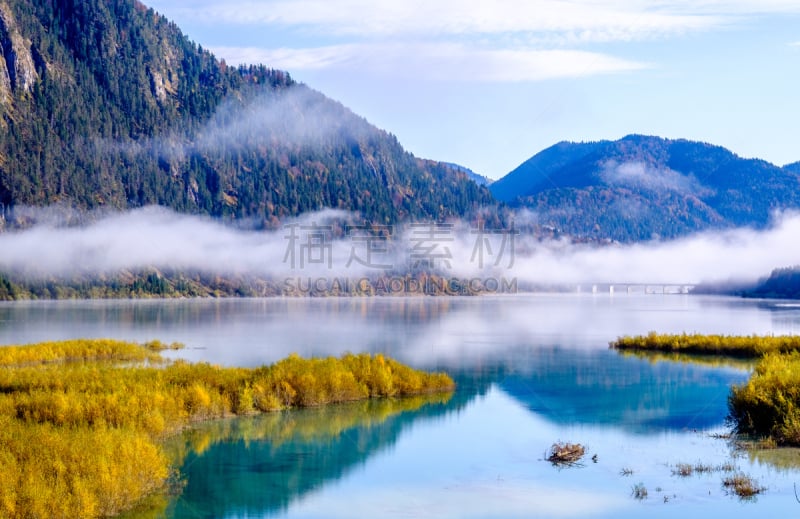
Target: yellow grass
82,422
735,346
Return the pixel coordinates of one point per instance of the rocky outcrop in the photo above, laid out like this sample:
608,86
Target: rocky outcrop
17,71
163,74
6,93
161,87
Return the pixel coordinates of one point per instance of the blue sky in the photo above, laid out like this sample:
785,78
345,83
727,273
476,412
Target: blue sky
488,84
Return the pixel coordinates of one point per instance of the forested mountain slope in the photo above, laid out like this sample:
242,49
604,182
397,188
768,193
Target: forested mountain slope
105,103
641,187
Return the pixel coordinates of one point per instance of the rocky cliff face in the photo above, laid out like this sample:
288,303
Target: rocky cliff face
17,70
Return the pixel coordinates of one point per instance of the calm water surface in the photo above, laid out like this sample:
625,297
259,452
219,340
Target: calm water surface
531,370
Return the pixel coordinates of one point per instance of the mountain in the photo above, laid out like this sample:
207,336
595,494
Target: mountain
793,167
640,187
476,177
539,173
105,103
782,283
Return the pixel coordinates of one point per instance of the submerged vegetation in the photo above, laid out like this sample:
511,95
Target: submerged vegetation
82,422
686,470
639,491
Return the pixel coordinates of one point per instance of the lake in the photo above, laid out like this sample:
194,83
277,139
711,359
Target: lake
531,370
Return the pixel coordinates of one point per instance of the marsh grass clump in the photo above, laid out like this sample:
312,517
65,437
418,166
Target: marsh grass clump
768,405
565,454
686,470
82,422
639,491
742,485
703,468
78,350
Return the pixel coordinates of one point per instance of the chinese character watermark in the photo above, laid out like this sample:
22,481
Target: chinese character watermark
370,245
308,244
428,245
487,247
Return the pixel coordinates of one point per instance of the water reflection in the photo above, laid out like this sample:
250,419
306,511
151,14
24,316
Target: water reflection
265,466
427,332
259,466
627,392
548,352
530,370
783,459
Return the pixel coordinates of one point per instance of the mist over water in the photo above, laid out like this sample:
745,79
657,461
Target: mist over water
740,255
155,237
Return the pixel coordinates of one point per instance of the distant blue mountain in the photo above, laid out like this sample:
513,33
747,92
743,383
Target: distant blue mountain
641,187
794,167
543,171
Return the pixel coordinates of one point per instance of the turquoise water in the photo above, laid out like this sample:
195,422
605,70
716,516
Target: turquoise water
531,370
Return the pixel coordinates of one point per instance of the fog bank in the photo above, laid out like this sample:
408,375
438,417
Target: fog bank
321,244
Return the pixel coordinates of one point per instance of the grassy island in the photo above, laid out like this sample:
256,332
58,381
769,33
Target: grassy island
82,422
748,346
768,405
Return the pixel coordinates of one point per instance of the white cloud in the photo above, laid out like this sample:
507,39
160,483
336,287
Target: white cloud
283,118
594,19
638,174
438,61
520,40
736,7
291,59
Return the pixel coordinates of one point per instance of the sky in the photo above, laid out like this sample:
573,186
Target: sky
489,84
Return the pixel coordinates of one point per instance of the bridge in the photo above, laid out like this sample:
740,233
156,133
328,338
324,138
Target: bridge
636,288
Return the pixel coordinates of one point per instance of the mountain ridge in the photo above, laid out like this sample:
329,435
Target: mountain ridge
640,187
479,179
